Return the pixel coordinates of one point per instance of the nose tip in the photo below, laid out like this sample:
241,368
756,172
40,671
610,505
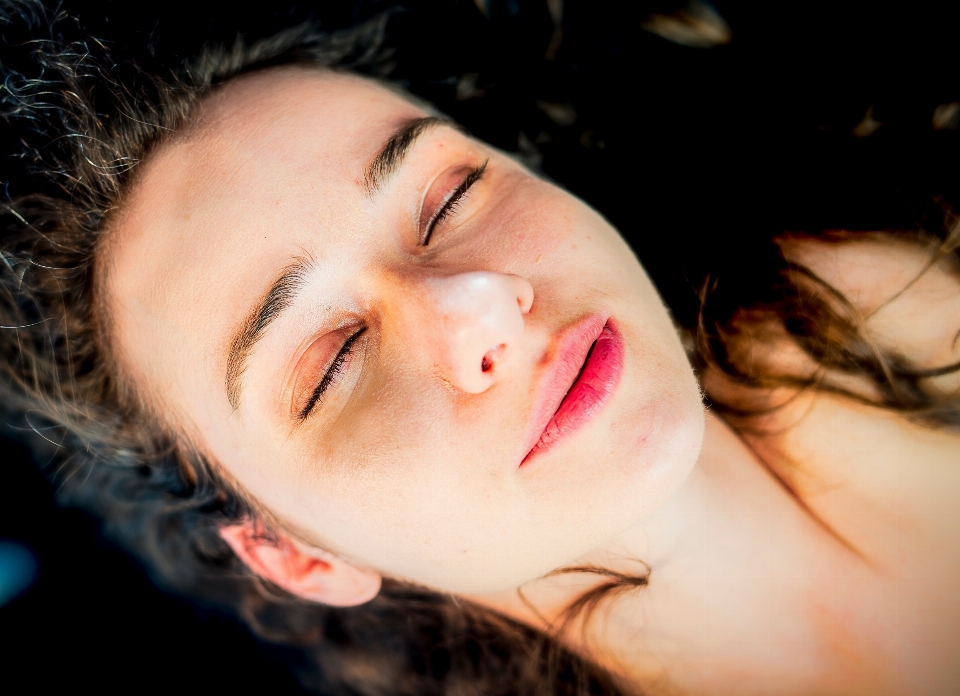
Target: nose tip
481,324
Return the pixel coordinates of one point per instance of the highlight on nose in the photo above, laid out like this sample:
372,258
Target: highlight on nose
477,324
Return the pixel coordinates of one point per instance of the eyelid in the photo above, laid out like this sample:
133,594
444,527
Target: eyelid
451,198
320,383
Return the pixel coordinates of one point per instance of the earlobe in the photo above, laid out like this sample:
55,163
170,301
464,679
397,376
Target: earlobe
307,572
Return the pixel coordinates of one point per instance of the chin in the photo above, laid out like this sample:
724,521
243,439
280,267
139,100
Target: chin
653,445
666,445
630,468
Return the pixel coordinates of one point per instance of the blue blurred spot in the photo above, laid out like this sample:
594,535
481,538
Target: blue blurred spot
18,568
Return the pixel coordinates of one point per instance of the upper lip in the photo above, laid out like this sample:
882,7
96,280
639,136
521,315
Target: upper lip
570,352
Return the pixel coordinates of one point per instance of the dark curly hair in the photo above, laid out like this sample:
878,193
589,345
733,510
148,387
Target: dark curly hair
80,118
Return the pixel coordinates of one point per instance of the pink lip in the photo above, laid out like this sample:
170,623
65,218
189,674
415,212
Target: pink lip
585,373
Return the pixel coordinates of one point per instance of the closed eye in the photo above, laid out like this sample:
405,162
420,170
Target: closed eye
330,375
453,201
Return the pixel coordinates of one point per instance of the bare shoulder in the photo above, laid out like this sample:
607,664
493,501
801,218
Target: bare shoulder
888,486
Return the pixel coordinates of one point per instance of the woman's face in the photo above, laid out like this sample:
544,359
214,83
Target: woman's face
377,345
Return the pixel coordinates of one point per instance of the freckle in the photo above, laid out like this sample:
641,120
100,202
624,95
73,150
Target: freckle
538,259
186,217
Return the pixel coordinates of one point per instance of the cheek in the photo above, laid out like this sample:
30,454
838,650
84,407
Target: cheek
420,498
404,490
534,226
428,517
568,251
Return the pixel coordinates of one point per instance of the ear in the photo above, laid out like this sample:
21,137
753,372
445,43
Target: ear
302,570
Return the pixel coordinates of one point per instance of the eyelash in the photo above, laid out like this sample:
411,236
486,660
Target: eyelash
453,201
331,375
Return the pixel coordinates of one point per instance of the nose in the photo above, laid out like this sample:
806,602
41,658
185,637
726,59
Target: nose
475,324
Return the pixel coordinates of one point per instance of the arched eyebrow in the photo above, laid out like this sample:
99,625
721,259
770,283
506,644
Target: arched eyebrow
395,149
278,297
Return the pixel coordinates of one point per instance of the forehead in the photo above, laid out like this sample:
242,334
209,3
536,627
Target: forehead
272,158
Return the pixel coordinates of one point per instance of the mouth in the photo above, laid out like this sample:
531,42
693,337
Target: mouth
585,373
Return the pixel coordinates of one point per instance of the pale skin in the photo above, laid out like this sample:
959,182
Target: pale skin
408,466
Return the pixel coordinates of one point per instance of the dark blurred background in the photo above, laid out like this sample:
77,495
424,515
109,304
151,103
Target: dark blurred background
699,130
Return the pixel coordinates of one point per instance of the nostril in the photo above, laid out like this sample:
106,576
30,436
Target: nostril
491,357
524,295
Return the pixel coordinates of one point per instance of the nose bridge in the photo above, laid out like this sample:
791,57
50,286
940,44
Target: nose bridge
478,296
474,324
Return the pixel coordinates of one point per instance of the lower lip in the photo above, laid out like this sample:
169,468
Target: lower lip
589,393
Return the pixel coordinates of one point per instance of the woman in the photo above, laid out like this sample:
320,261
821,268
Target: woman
314,347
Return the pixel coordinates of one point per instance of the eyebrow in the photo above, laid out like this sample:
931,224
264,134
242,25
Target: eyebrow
395,149
277,298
